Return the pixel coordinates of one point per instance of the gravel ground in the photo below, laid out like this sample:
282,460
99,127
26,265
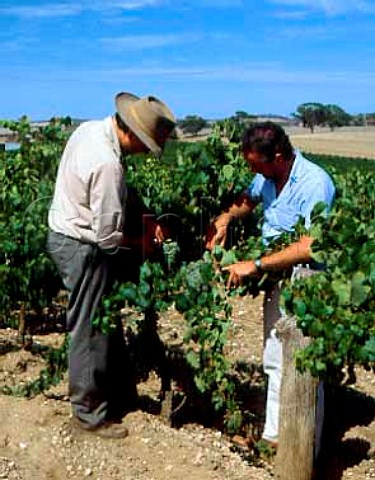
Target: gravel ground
37,441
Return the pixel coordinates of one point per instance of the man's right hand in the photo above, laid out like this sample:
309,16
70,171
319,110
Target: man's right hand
217,231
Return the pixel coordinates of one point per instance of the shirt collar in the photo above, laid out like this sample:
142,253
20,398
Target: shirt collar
111,134
294,173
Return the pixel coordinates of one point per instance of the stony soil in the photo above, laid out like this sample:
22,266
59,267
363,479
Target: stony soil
36,441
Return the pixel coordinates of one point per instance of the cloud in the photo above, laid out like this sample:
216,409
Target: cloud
314,33
257,74
194,4
267,74
10,46
329,7
124,5
220,3
69,9
291,15
40,11
142,42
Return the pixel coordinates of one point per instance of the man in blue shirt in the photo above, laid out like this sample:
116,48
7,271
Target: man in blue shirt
288,186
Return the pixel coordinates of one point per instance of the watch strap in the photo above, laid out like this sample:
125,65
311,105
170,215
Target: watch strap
258,263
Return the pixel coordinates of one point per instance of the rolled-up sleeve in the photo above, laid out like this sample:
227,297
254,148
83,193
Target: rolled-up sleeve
107,200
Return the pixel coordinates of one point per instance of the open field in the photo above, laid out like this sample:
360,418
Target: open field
345,141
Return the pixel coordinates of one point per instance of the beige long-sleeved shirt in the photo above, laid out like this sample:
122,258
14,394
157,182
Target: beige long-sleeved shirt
90,191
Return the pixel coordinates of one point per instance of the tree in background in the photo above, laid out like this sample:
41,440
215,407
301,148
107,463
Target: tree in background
192,124
243,116
336,116
311,114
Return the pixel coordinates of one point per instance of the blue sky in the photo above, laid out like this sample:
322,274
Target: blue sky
204,57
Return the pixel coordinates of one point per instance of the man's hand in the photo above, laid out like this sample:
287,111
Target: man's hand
237,272
152,237
217,231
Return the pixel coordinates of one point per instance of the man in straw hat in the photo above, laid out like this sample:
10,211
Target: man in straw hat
87,229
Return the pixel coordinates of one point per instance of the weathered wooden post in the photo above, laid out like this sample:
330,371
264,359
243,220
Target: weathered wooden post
295,454
22,322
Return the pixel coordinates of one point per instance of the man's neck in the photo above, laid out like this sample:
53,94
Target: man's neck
283,177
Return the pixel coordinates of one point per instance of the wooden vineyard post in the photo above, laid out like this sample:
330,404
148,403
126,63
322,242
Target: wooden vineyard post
22,322
295,454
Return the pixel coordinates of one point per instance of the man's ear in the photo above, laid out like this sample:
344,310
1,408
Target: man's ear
279,157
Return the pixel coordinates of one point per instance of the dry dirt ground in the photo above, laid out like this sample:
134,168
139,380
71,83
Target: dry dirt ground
345,141
36,441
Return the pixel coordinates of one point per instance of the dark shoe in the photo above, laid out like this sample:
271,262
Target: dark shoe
105,430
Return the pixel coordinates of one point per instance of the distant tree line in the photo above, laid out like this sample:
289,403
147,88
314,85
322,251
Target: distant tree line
310,115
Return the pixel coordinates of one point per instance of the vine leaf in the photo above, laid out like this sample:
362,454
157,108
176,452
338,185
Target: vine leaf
342,289
359,291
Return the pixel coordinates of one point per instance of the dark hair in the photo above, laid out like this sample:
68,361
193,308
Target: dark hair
121,124
267,138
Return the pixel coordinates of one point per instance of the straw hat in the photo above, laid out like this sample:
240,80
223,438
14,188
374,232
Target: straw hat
147,117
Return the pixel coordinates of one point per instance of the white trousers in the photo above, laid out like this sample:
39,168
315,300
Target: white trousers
272,363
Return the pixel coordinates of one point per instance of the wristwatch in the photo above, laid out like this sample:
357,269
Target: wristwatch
258,263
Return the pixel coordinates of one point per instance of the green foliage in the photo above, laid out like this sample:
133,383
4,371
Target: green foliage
232,128
26,272
341,166
336,307
56,365
311,114
191,184
204,304
336,116
196,186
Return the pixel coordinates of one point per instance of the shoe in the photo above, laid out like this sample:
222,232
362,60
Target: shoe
242,443
107,429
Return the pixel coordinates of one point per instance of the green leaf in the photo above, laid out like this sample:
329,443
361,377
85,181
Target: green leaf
183,303
229,257
343,290
368,351
300,308
193,359
359,291
228,172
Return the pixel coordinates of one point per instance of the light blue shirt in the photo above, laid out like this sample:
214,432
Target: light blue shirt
307,185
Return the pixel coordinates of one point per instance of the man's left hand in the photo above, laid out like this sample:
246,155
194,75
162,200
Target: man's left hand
237,272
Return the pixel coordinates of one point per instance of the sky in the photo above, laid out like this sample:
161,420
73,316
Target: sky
203,57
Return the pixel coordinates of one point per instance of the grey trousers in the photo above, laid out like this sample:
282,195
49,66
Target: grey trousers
100,381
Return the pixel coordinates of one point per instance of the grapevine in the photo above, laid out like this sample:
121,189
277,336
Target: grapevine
192,184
